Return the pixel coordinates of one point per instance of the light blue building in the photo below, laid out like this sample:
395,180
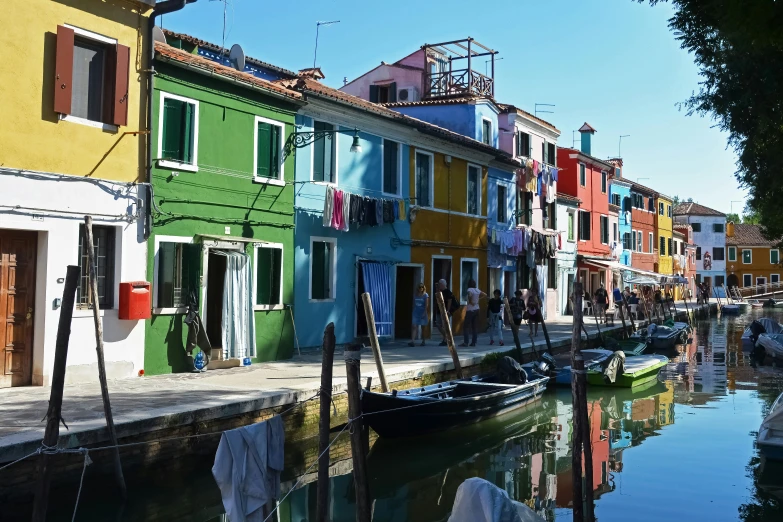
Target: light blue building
620,196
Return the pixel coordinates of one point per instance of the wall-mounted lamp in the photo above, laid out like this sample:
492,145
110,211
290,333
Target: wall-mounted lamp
298,140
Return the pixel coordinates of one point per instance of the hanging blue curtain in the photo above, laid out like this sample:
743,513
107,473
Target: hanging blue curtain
377,282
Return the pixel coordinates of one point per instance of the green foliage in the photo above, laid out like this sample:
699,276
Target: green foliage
734,217
738,48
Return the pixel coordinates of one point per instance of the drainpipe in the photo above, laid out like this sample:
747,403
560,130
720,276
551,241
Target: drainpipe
161,8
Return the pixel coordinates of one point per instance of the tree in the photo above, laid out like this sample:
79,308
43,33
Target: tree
750,216
733,216
738,47
676,200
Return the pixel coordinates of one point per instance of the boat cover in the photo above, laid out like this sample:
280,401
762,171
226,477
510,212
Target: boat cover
772,343
478,500
774,420
638,363
771,326
510,371
613,366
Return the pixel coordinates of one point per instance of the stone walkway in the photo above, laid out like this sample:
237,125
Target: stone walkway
148,403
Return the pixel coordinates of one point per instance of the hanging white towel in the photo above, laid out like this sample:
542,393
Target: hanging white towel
346,210
328,200
247,468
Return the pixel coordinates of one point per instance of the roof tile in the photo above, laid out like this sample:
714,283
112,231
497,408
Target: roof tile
749,235
690,208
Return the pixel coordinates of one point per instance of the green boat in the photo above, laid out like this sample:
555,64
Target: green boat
638,370
630,347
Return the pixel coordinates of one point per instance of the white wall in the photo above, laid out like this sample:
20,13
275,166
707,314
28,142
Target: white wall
566,257
707,239
58,245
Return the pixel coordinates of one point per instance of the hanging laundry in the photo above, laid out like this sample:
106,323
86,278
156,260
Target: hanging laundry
388,211
346,211
560,241
337,210
396,209
247,468
555,172
378,212
328,200
403,210
356,210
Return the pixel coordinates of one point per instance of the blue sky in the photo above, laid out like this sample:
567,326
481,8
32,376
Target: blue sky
612,63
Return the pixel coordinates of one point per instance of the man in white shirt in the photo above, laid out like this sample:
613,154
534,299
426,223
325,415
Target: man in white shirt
471,314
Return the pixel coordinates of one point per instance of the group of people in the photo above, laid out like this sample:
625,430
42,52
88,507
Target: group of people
520,310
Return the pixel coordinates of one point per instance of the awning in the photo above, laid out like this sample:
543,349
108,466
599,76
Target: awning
230,239
633,275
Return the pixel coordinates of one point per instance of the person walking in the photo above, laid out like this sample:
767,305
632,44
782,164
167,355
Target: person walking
471,314
600,301
449,303
517,311
421,311
534,316
495,316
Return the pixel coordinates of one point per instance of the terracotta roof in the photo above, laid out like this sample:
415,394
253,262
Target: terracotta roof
587,128
444,101
312,87
681,226
694,209
511,108
614,208
749,235
216,48
641,188
194,60
577,151
568,198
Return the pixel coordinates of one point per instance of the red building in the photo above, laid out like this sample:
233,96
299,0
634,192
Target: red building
645,251
684,254
587,178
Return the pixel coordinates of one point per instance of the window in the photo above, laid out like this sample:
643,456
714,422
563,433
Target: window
747,280
639,241
322,258
176,274
571,218
582,175
486,131
651,205
551,153
178,127
551,278
634,239
269,150
698,253
269,276
474,190
662,246
523,144
604,224
660,208
502,204
383,93
698,279
650,242
671,252
774,256
732,253
325,153
668,210
468,271
761,281
774,278
615,199
718,254
627,241
696,227
92,74
614,233
391,167
603,182
747,257
718,228
584,226
424,175
720,281
526,212
103,244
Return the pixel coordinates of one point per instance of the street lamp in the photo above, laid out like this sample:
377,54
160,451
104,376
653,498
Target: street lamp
298,140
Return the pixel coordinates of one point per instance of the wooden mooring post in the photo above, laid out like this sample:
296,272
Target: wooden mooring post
444,316
53,416
96,314
628,311
324,424
546,334
359,457
514,329
374,344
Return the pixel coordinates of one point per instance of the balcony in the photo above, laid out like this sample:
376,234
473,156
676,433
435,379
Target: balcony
446,80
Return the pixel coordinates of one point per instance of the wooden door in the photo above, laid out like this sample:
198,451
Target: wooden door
17,302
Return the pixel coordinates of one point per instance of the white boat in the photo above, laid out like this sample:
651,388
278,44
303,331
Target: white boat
772,344
770,439
479,500
730,309
759,326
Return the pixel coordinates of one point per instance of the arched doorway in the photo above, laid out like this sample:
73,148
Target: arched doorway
732,281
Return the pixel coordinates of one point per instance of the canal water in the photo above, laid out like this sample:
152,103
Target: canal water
680,448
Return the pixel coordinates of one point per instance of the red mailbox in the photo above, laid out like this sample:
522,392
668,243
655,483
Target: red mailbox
135,300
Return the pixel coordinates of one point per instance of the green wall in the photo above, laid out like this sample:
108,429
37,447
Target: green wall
221,194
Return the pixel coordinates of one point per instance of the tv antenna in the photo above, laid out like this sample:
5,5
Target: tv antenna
543,111
317,27
486,62
225,8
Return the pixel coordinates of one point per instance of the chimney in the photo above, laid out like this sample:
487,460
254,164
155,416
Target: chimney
618,167
313,73
587,134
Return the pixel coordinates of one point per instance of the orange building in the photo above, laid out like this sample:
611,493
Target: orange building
752,259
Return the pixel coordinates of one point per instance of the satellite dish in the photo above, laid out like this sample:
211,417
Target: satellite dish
157,35
237,57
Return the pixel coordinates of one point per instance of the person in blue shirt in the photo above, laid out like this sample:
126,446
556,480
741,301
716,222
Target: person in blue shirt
421,306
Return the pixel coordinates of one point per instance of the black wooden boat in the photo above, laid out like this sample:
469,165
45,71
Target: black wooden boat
442,406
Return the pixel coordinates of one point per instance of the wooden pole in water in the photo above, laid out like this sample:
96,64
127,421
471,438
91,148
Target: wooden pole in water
577,388
324,424
359,457
52,432
374,344
514,329
628,311
622,311
685,292
546,334
444,317
96,314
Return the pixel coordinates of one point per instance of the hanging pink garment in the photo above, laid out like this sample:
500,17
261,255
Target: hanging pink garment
337,210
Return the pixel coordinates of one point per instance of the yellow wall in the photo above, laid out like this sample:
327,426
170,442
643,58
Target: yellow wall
31,137
760,265
663,229
456,234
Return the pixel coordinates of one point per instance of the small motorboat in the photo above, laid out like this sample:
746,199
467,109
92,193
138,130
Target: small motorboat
756,304
759,326
479,500
730,309
622,372
663,338
406,413
770,438
772,344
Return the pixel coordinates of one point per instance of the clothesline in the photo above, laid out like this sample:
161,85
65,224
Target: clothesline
343,209
535,245
539,179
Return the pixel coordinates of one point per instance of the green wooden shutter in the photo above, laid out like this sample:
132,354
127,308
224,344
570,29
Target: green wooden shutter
268,276
392,92
374,93
191,271
571,227
172,129
317,276
318,154
274,152
264,149
390,167
188,128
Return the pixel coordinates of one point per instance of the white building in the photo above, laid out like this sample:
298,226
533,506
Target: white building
709,237
567,207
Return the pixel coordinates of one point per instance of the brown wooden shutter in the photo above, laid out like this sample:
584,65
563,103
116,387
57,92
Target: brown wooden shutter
121,77
63,70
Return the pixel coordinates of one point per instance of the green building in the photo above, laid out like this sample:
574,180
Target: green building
223,216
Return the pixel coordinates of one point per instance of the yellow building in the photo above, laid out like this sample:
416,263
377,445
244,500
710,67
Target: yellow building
663,231
73,97
751,259
450,225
